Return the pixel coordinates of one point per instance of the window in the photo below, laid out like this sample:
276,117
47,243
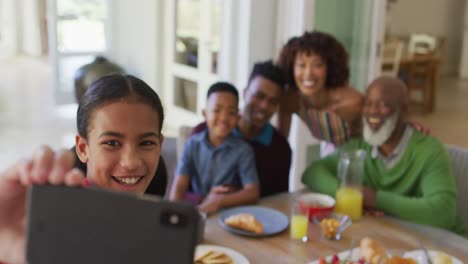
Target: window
79,33
193,44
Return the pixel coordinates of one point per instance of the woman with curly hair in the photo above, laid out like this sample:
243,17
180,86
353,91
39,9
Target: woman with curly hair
317,73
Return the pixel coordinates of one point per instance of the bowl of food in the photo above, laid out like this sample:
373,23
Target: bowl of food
332,225
316,203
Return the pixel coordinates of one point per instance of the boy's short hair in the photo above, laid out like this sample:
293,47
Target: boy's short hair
268,70
223,87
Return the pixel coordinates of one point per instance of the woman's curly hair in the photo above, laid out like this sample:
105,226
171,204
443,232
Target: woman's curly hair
326,46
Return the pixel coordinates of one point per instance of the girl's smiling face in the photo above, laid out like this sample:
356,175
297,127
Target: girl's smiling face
123,146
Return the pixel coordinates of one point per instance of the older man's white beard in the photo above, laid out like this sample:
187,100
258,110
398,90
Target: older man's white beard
380,136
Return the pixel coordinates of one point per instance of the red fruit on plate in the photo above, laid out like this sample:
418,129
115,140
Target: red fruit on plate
335,259
322,261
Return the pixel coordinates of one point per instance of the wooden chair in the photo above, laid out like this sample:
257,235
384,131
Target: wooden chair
459,161
391,56
421,79
183,134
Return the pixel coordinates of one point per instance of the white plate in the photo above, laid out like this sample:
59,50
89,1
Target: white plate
356,255
419,256
237,257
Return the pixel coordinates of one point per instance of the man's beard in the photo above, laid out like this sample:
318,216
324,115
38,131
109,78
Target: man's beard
385,131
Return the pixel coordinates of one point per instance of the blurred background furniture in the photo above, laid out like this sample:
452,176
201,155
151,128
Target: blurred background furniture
421,44
459,160
419,67
421,75
184,134
88,73
391,56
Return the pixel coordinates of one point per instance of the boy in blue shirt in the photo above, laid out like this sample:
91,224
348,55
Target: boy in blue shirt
216,165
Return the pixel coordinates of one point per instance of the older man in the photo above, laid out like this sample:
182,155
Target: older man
271,149
406,174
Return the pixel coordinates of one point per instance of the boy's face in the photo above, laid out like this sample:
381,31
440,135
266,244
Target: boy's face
221,114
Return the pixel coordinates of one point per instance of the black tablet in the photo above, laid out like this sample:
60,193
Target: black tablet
75,225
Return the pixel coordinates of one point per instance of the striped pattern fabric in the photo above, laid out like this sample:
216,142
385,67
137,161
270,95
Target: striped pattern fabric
459,160
328,126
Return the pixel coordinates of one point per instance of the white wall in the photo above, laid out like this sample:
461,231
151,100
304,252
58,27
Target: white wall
436,17
31,38
262,32
9,23
249,36
20,28
464,53
136,39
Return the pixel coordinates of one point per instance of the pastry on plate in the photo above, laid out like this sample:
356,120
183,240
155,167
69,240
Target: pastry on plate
372,252
246,222
213,257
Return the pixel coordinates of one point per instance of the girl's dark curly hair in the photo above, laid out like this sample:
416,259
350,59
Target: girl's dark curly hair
326,46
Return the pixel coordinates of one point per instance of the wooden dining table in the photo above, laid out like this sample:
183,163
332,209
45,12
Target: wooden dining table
395,235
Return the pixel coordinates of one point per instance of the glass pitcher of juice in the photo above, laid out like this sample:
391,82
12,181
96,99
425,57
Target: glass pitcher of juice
349,198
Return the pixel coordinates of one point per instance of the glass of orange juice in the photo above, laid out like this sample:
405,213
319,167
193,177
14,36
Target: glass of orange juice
299,222
349,198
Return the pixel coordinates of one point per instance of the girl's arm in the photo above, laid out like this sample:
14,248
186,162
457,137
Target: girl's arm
45,166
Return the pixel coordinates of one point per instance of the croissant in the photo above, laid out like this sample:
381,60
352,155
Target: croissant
372,252
245,222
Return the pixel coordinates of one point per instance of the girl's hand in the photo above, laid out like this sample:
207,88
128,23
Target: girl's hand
45,166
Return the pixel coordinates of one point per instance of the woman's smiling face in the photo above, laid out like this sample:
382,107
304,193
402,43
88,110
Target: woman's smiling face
310,73
123,146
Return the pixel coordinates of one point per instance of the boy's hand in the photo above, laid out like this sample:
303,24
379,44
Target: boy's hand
212,202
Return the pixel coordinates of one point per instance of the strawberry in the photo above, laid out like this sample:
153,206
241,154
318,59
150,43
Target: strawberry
335,259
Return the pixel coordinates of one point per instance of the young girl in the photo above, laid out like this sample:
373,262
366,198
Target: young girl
119,139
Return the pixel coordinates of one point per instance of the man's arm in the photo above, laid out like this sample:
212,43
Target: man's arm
320,176
437,209
249,179
437,206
